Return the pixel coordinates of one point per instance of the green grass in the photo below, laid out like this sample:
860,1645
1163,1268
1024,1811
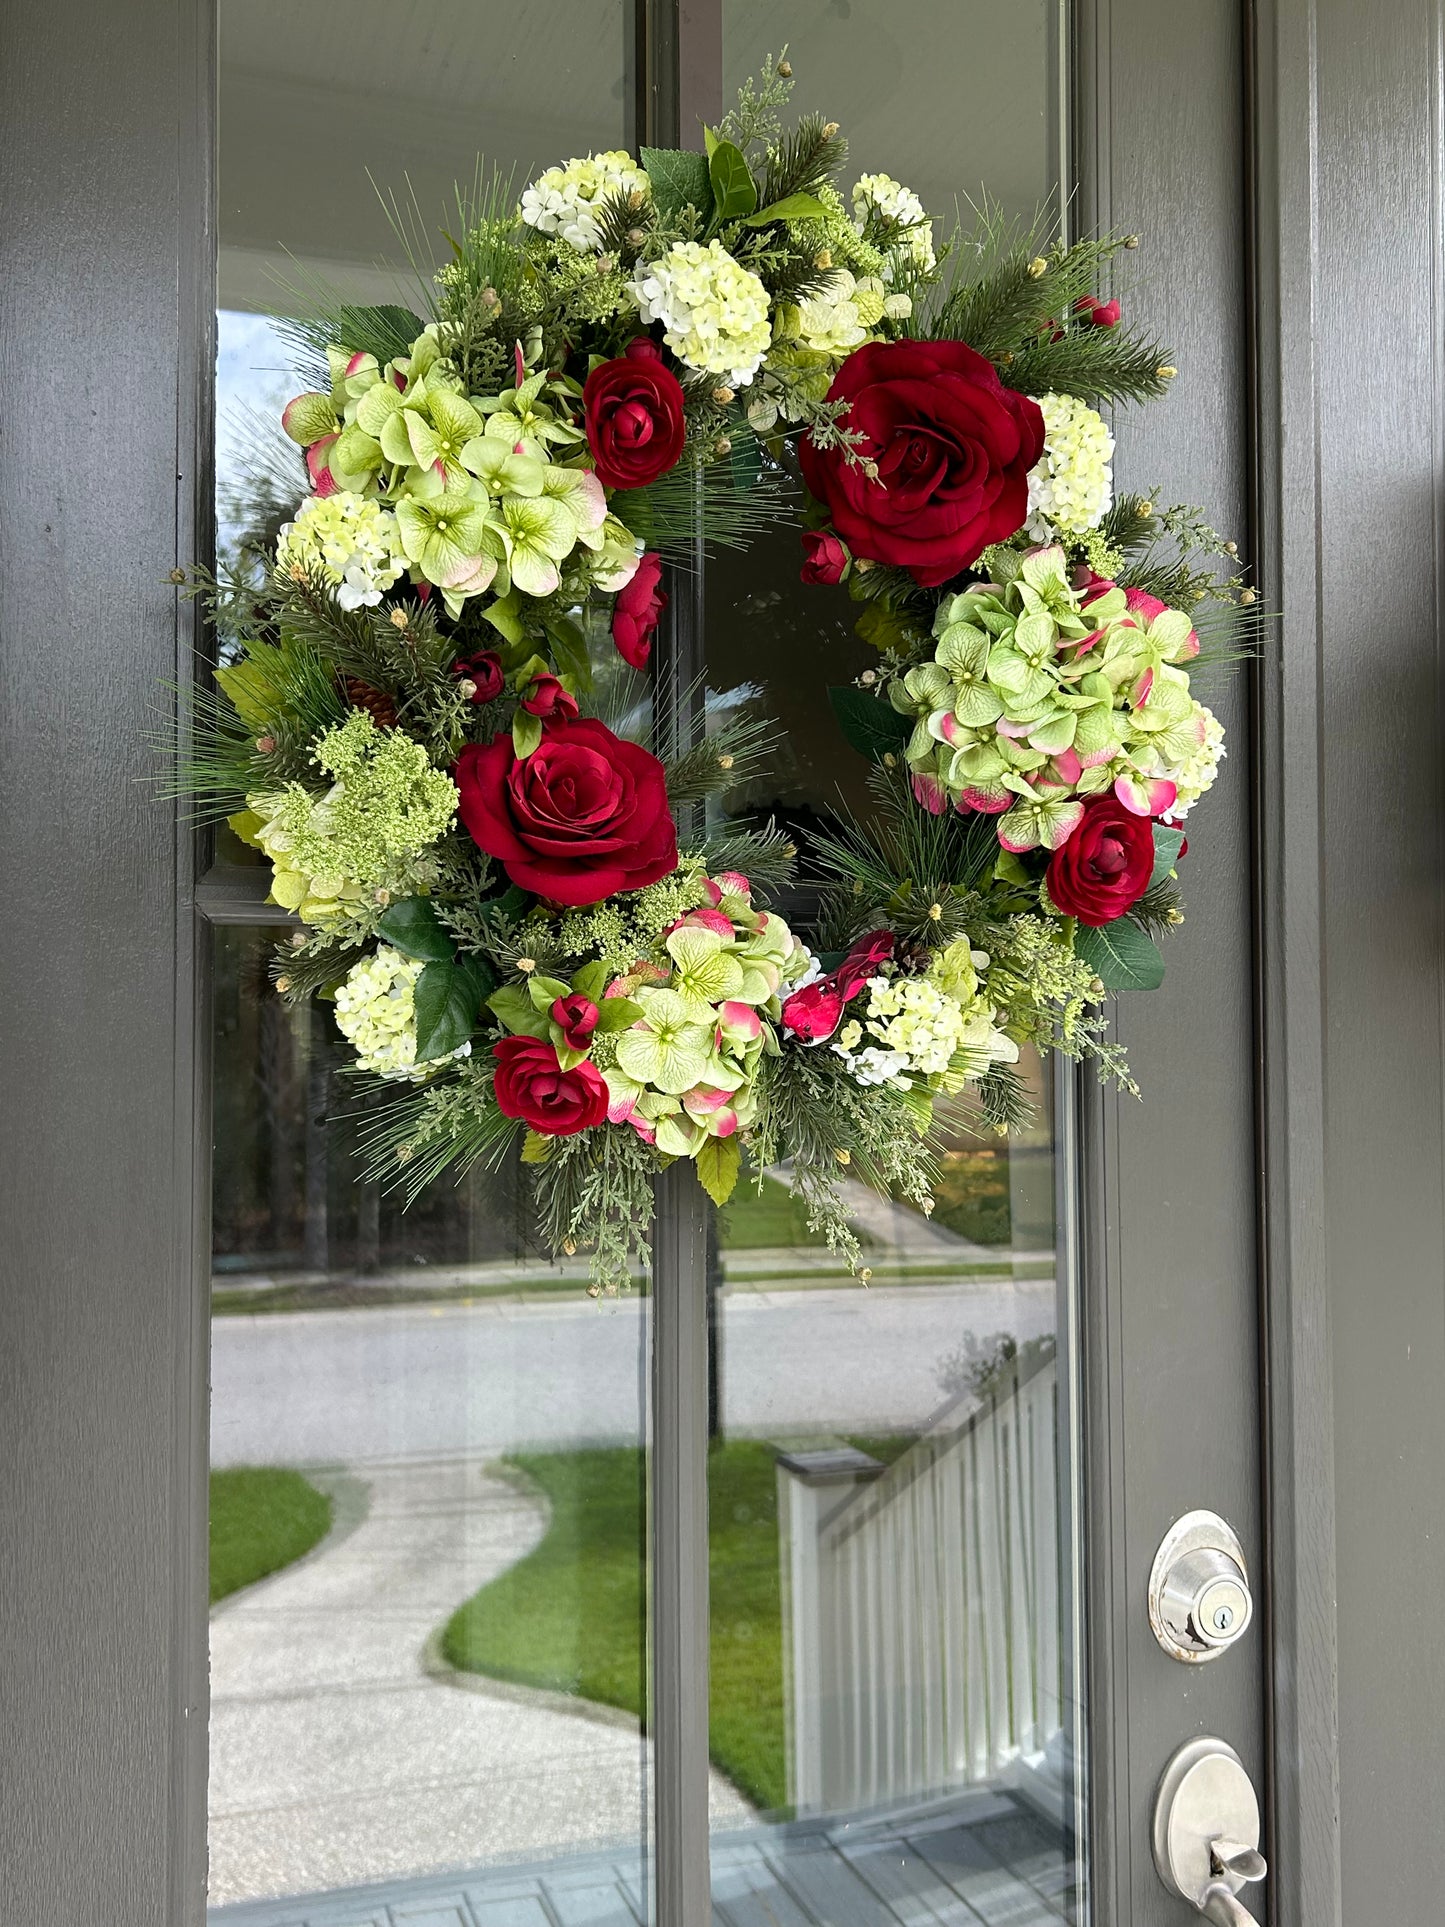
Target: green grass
569,1617
753,1220
262,1517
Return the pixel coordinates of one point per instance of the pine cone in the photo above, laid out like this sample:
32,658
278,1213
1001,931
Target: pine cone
379,706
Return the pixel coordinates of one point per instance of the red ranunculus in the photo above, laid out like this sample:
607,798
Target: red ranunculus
945,455
577,1017
548,699
637,611
484,671
583,816
1104,867
814,1012
531,1084
634,411
824,557
862,962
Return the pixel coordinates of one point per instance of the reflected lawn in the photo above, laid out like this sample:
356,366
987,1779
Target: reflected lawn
262,1518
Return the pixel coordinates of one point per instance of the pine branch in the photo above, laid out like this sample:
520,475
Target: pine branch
671,513
1096,364
765,856
803,161
731,754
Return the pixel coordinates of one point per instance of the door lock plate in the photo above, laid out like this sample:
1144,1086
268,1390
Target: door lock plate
1199,1597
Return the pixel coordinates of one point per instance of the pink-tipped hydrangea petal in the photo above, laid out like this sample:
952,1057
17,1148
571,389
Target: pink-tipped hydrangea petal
1146,798
988,802
1068,766
928,791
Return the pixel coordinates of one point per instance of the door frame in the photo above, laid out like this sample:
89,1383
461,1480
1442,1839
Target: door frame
108,138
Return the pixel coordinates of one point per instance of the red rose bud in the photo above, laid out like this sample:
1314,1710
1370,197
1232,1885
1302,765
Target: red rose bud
637,611
584,816
548,699
531,1084
942,467
1104,867
824,557
484,672
1105,314
634,412
813,1013
861,963
576,1016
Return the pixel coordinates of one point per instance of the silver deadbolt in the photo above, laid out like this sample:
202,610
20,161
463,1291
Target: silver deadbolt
1206,1831
1199,1599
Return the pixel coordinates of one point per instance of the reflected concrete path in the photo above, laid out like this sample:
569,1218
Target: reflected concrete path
358,1387
337,1758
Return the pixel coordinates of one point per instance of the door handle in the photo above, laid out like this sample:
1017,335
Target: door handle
1206,1831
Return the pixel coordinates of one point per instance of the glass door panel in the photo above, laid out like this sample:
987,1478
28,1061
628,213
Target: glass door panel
429,1446
893,1484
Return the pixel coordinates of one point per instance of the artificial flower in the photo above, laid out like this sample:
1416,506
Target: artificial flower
549,699
1071,486
637,611
530,1084
824,557
634,410
484,672
714,312
1104,866
565,200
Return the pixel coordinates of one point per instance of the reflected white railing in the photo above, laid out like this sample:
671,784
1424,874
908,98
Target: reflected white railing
921,1608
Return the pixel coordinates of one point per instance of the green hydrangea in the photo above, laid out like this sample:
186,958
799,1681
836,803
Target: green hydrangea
364,839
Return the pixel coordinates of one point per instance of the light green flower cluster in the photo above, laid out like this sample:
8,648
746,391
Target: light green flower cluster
365,840
621,929
1036,699
483,489
564,201
376,1013
893,218
353,542
713,311
939,1029
1071,487
844,243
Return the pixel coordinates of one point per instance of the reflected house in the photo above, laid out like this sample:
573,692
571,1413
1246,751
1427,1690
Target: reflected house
921,1608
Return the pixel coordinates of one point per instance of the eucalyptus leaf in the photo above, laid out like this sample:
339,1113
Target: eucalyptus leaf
414,928
678,180
1121,954
872,727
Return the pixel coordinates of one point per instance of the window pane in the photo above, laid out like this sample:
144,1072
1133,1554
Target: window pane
895,1600
429,1445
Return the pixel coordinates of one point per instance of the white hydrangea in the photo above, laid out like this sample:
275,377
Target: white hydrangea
831,321
916,1027
1071,486
878,197
376,1013
714,313
564,200
1197,773
354,541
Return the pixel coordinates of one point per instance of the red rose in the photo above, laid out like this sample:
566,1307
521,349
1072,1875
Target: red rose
636,612
945,454
584,816
861,963
577,1018
484,670
549,700
814,1012
824,557
1104,867
531,1084
634,411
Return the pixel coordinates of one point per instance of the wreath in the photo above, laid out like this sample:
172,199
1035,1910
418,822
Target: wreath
429,713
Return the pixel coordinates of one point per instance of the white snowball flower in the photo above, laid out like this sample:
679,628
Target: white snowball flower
1071,486
564,200
879,198
376,1013
714,313
352,540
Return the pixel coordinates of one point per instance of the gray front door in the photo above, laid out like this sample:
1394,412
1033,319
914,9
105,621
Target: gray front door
527,1528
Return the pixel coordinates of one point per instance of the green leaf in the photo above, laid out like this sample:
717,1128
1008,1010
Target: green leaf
1167,845
505,617
517,1012
449,999
872,727
526,733
1121,954
1008,868
544,991
792,207
616,1013
413,927
569,646
709,141
591,980
536,1149
678,180
718,1162
734,191
883,628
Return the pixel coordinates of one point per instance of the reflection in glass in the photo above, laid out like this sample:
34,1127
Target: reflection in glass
428,1506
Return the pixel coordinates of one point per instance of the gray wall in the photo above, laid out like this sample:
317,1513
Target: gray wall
101,1374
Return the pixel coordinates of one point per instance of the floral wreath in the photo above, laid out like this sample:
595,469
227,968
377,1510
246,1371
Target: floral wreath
426,710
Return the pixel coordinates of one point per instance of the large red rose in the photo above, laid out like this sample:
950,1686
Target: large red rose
634,411
637,612
944,458
531,1084
584,816
1104,867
